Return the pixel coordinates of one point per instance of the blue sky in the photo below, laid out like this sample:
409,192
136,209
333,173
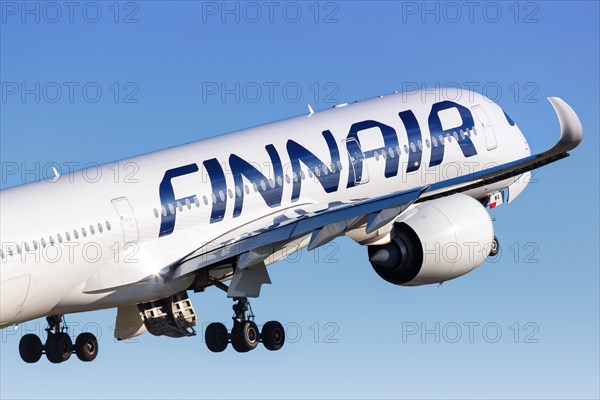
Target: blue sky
101,82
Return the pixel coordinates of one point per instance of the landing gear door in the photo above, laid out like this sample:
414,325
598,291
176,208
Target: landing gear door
484,125
358,168
128,222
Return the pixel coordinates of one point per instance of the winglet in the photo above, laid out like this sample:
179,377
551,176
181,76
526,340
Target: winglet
571,131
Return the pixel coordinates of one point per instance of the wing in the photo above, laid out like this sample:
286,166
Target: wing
248,252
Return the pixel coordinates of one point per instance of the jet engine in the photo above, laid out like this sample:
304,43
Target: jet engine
435,241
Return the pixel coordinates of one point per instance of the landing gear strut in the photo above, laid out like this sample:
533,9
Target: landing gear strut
58,347
245,334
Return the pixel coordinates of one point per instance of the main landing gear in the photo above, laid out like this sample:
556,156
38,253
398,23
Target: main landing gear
58,347
245,334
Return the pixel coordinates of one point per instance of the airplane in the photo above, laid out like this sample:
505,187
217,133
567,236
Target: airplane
408,175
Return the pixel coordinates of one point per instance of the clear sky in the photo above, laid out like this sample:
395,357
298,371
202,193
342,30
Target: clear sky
91,82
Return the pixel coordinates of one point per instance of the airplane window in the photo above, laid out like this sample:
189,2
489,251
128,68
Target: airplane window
156,213
59,237
83,232
92,230
441,140
339,164
302,174
427,143
434,141
332,168
171,209
51,241
287,179
391,152
179,206
205,199
247,189
376,155
18,249
188,203
271,183
263,185
449,138
455,135
295,177
325,170
108,226
279,181
230,193
100,228
254,186
420,145
163,211
221,195
197,201
412,147
406,149
398,151
1,253
462,134
310,173
76,234
68,236
238,191
214,198
27,248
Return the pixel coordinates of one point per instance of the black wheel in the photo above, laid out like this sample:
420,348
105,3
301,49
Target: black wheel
245,336
86,347
273,335
30,348
495,247
215,337
58,347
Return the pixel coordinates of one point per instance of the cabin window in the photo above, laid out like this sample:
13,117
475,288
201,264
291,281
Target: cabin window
246,189
434,141
171,209
412,147
406,149
188,203
163,211
18,249
263,185
92,230
51,241
455,135
254,186
230,193
68,236
427,143
83,232
271,183
441,138
221,195
197,201
155,213
279,181
179,206
295,177
76,234
205,199
238,191
391,152
59,237
420,145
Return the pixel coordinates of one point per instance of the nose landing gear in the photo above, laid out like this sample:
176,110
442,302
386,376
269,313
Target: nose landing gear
59,346
245,334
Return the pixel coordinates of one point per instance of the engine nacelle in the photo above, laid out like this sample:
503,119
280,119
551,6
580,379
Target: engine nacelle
435,241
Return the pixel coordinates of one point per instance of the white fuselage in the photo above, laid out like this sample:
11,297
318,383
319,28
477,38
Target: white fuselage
68,246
